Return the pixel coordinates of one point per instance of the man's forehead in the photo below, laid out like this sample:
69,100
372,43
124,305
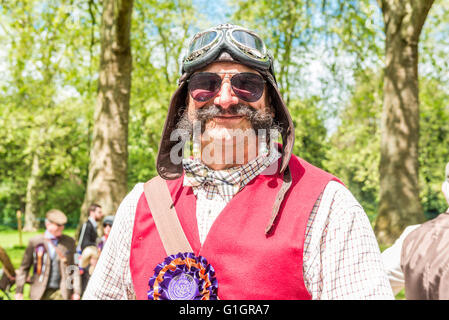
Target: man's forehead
226,67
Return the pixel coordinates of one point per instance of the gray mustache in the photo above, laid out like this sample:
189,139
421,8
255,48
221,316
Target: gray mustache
212,111
260,119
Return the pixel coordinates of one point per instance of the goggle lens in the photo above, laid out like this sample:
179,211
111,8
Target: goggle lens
247,86
202,41
249,40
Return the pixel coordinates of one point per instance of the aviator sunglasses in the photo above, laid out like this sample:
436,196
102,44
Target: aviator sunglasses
247,86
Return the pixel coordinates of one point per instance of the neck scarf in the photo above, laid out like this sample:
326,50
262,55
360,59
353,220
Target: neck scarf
227,182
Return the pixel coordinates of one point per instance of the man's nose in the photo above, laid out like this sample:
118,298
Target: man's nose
226,97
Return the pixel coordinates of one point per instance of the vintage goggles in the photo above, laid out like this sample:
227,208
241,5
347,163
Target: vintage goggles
243,44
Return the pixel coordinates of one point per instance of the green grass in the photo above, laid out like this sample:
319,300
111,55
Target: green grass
400,295
10,241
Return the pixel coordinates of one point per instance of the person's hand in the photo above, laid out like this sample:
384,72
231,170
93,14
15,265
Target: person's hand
19,296
76,296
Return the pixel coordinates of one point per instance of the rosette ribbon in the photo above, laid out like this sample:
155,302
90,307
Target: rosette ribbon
183,276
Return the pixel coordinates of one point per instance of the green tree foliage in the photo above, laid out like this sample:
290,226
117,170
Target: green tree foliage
434,108
160,30
354,152
355,146
434,145
311,141
43,115
48,99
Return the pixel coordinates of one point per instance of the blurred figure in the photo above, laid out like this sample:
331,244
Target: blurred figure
418,260
7,273
107,226
89,259
51,255
88,235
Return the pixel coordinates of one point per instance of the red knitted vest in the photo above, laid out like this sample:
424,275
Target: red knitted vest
248,263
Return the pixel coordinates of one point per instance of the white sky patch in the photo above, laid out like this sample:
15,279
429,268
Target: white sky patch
65,93
5,48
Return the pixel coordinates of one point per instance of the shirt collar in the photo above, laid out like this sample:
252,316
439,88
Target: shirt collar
92,220
48,235
227,182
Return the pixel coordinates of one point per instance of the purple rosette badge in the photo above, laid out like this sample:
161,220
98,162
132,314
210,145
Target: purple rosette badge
183,276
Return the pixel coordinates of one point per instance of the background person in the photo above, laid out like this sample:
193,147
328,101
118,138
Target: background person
418,260
89,259
50,254
88,234
7,273
107,226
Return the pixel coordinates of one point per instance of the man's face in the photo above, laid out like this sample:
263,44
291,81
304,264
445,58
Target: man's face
226,98
97,214
54,229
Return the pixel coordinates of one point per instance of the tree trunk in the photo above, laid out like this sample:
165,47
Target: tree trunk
399,204
31,207
107,180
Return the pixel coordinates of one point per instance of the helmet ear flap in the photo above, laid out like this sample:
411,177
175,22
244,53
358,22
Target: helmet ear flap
283,119
165,166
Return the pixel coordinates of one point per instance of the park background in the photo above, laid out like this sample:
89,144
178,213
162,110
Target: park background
86,84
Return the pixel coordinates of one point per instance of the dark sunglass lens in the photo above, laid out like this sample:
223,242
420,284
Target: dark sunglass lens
248,86
204,86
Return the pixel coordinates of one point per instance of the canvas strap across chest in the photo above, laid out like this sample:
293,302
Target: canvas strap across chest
248,263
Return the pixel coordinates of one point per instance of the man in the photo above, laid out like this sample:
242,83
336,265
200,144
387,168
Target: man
261,222
418,259
51,256
88,235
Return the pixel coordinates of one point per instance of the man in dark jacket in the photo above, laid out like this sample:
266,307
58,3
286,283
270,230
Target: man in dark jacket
88,235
